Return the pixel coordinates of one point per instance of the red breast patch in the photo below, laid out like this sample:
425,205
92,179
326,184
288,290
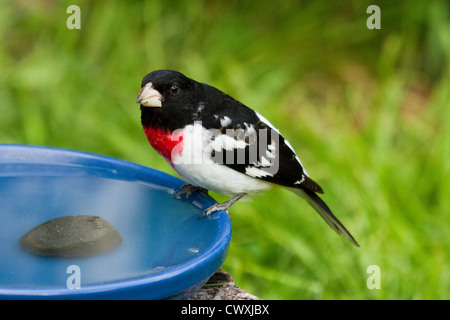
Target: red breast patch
164,142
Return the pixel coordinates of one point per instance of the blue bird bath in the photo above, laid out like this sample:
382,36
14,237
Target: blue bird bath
168,251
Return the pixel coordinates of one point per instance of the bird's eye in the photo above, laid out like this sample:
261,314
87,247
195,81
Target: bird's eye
174,89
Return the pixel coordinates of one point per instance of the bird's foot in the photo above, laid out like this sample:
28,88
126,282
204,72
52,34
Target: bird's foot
188,190
222,206
216,207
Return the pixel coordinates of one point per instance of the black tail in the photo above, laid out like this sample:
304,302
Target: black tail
325,212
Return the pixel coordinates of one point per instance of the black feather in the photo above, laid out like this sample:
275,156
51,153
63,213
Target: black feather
320,206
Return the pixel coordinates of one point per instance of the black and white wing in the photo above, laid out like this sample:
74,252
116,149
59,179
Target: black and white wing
261,152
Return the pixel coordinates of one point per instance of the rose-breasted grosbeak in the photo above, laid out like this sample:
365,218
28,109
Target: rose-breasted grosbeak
216,143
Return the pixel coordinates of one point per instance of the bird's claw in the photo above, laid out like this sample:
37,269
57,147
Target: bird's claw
188,190
216,207
222,206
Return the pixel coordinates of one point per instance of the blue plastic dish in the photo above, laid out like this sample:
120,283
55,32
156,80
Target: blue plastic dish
168,252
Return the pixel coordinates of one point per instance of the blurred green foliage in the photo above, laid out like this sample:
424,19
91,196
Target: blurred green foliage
367,110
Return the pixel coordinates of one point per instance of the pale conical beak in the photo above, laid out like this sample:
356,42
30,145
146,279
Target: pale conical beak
149,97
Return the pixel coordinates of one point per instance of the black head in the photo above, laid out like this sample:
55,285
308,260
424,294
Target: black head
168,97
168,83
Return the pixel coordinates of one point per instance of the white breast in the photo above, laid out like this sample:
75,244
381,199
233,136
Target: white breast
195,165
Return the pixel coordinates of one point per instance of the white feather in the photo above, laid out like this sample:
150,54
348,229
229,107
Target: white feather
225,121
267,122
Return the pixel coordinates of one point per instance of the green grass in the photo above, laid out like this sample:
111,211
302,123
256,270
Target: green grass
367,111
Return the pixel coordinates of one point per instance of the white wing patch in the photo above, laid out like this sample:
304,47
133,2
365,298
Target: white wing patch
300,181
225,121
263,119
257,172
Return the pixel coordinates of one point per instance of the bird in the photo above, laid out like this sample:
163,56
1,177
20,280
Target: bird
216,143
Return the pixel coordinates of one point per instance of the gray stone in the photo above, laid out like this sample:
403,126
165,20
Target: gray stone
221,286
72,236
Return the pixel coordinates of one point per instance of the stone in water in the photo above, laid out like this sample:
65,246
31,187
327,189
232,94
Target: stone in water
72,236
